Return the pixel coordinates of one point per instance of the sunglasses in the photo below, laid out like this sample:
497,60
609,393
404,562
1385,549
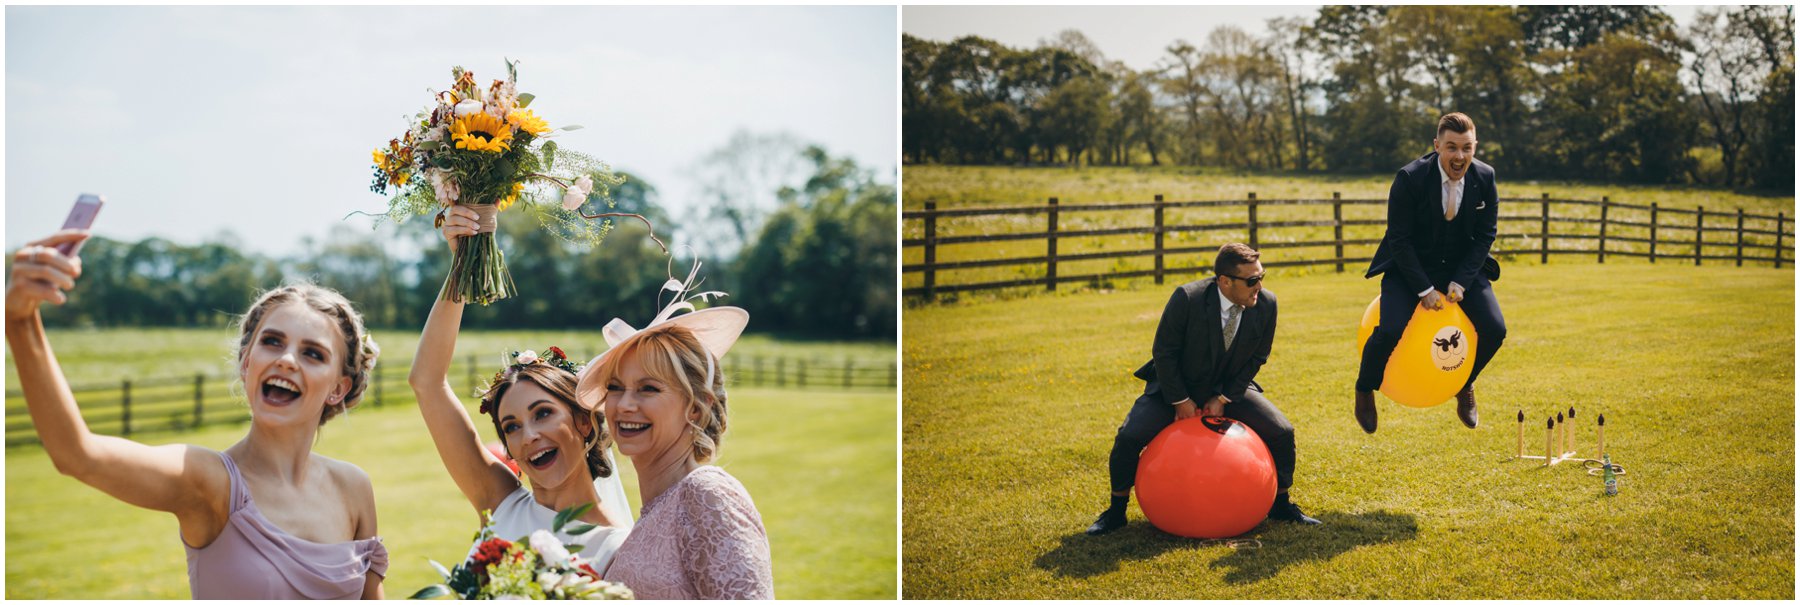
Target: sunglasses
1251,281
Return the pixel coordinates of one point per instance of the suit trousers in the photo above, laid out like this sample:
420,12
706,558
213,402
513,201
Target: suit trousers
1150,415
1397,306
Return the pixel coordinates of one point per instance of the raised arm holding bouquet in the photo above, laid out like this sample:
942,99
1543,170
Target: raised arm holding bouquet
482,148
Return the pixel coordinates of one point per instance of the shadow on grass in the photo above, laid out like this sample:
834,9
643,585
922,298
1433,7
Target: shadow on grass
1283,544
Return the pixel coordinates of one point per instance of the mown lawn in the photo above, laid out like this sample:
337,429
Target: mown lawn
819,463
1010,408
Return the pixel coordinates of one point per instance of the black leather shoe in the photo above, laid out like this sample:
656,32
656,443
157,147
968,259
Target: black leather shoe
1465,407
1108,521
1287,511
1365,411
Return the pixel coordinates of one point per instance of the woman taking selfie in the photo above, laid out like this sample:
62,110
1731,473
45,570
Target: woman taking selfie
266,518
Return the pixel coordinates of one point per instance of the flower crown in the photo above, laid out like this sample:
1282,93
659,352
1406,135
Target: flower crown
553,357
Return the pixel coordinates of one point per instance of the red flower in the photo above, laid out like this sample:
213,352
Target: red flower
590,571
558,352
490,553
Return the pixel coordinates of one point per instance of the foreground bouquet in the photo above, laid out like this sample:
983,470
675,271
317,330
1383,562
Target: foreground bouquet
533,567
483,148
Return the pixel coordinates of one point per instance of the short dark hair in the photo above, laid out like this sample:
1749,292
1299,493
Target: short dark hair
1232,256
1454,122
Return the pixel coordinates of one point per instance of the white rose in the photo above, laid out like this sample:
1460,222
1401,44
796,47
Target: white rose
547,546
548,580
525,358
573,198
468,107
575,583
585,184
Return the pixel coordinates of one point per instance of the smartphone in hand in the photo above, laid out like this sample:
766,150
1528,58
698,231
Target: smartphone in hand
81,217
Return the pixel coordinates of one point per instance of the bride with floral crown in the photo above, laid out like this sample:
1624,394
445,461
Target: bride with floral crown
560,446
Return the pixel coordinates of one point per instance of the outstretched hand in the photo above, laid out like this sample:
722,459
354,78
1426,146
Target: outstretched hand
41,273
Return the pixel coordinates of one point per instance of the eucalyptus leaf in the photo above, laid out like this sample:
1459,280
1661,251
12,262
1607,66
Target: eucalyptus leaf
549,155
571,127
525,99
582,529
440,569
569,514
574,548
431,592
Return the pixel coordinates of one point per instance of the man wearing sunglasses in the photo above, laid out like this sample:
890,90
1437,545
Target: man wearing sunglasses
1213,337
1442,214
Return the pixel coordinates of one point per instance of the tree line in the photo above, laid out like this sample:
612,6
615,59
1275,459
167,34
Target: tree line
818,262
1587,92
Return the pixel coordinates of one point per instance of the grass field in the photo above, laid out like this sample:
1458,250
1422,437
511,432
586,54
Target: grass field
979,186
1007,426
819,463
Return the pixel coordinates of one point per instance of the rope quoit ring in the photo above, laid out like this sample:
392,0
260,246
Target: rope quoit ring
1598,468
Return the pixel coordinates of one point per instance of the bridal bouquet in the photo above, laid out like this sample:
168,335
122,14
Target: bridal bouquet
485,149
533,567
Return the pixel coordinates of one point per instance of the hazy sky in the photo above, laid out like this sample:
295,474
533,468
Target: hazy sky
260,120
1136,35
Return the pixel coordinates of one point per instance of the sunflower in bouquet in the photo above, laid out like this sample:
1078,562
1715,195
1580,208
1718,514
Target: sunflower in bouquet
483,147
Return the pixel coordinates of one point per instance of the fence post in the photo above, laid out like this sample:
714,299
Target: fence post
1159,239
1699,233
1337,229
1740,237
1252,206
199,398
800,375
125,406
1653,213
930,253
1605,203
759,371
781,371
1780,219
848,364
1544,235
1050,241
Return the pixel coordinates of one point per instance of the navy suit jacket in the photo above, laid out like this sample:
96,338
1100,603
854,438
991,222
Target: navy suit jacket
1188,359
1424,249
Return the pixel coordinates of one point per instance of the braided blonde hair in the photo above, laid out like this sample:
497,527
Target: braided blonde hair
363,351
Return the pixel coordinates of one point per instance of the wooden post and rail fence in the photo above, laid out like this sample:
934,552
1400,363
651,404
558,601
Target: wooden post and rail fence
1768,239
182,403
